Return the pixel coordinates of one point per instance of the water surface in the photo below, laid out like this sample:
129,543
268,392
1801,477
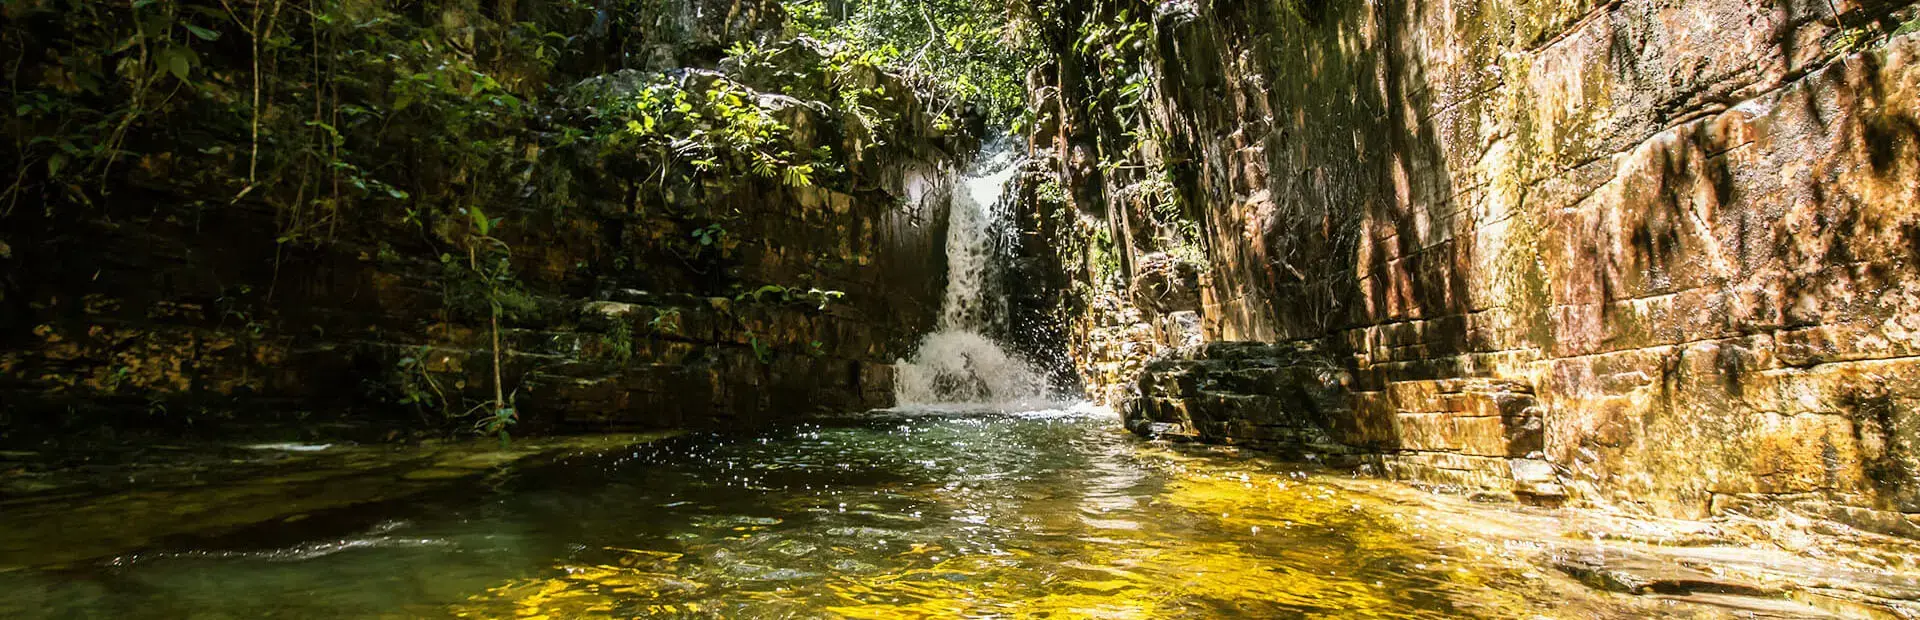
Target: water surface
889,515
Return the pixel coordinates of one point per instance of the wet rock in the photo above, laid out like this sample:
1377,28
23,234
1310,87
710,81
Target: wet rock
1522,246
1166,284
1294,398
1274,396
1633,574
1536,480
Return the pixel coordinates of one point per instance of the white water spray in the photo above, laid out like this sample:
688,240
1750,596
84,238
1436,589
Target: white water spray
959,364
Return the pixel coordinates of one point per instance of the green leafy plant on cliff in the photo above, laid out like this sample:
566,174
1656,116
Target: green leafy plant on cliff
1118,87
328,115
618,341
498,419
1179,235
665,321
761,294
417,385
1113,43
488,280
117,66
1103,260
821,299
1856,34
1049,190
818,298
709,236
717,133
762,350
975,51
316,108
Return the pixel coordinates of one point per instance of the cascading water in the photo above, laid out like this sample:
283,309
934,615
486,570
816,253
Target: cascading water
959,363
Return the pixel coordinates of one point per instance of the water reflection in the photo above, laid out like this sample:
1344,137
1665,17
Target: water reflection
991,515
894,515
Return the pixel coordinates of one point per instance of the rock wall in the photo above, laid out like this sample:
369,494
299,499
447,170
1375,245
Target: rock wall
624,300
1657,254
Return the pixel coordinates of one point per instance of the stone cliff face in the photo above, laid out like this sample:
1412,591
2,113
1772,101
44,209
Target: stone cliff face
1659,254
624,300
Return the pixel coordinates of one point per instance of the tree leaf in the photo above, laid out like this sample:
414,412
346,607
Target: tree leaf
203,33
479,220
176,61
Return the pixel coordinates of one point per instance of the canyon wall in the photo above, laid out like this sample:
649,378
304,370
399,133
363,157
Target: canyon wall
1657,254
500,197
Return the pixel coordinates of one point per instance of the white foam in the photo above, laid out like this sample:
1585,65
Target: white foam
959,364
290,447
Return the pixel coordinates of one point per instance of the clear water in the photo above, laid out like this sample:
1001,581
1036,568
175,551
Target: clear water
889,515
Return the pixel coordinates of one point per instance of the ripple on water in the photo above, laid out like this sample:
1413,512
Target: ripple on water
895,515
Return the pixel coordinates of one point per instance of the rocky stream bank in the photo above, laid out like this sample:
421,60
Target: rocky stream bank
1653,256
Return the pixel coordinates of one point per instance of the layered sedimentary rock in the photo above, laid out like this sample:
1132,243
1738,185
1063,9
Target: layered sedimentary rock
623,300
1656,254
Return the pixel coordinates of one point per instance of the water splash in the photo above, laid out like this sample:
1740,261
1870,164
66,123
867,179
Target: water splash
960,364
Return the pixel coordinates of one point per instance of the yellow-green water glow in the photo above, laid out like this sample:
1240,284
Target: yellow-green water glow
1039,515
1255,543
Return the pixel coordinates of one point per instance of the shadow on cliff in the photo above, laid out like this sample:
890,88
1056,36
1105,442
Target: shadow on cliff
1369,233
1336,160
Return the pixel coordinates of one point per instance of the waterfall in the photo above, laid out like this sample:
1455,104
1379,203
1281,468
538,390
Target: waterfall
960,363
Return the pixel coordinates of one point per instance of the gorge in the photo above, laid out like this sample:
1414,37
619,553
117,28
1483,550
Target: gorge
885,309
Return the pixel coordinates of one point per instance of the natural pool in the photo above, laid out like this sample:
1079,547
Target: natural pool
1053,513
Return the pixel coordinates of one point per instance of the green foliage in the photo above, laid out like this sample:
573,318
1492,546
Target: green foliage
979,52
405,126
761,350
496,420
1858,36
1113,43
760,294
1909,27
1115,50
619,340
1179,234
665,321
1103,260
1049,190
708,236
820,299
774,293
117,375
317,108
87,76
484,284
716,132
853,80
417,385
